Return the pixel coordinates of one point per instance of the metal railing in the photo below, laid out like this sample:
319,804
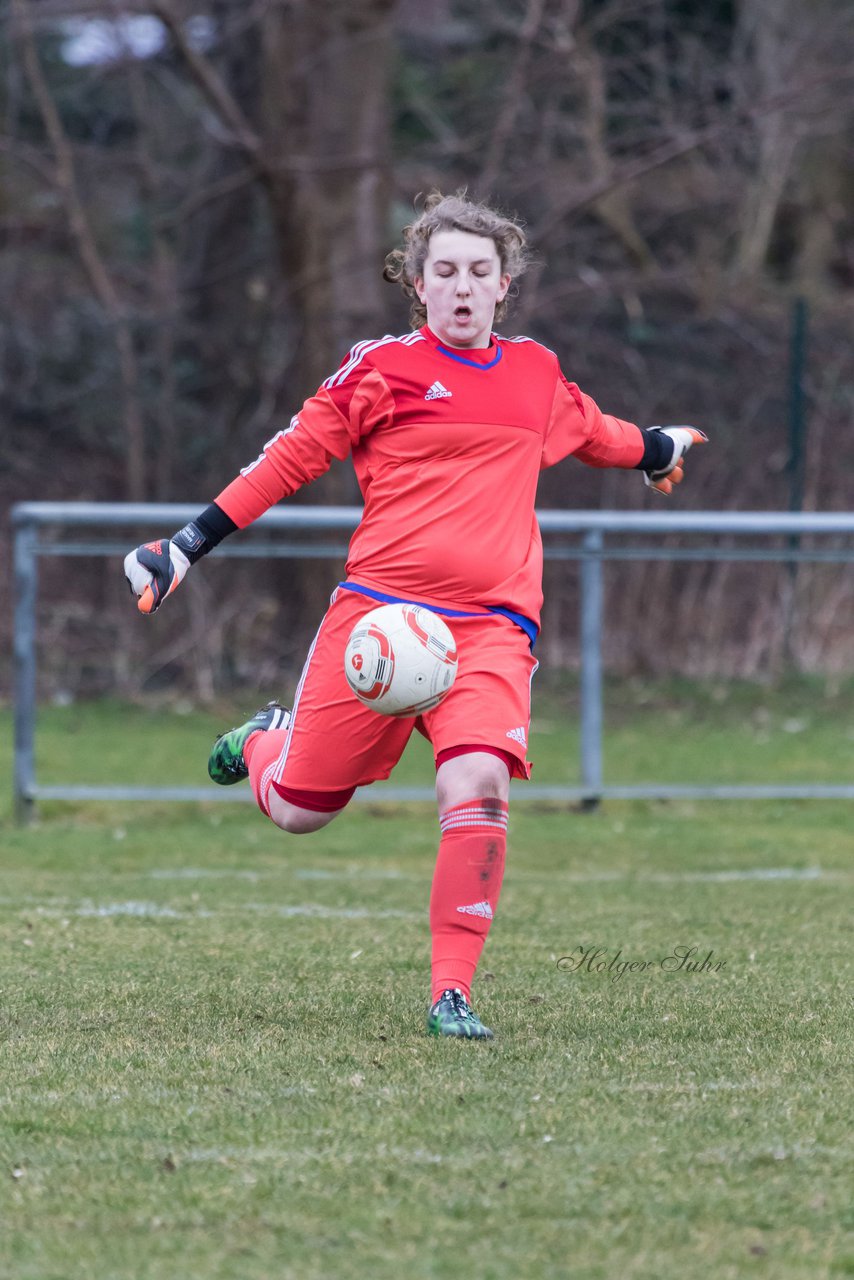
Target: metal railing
589,529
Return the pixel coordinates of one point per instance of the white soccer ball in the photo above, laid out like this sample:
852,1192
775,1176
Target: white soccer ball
401,659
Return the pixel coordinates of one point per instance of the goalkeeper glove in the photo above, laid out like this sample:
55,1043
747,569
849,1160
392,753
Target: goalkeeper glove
155,569
665,478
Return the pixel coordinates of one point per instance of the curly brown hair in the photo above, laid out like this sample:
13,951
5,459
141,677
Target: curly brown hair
454,213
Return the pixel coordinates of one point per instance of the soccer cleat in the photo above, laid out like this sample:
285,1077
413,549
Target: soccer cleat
452,1015
226,764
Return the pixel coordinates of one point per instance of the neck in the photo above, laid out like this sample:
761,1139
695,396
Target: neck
481,345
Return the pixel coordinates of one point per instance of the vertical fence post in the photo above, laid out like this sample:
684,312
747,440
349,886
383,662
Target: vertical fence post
591,668
24,647
795,466
797,414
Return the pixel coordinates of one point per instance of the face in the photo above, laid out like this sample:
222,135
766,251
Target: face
461,286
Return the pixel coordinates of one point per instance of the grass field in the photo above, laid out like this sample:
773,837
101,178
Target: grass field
213,1059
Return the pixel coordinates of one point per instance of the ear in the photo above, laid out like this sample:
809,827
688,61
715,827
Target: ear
503,286
418,285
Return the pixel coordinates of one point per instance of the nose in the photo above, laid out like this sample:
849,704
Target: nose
463,287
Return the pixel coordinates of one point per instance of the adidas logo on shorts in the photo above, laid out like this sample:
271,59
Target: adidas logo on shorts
518,735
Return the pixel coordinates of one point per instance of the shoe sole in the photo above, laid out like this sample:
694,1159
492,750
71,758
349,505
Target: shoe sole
485,1034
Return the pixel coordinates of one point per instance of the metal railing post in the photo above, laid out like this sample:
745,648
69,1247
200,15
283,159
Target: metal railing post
24,678
591,668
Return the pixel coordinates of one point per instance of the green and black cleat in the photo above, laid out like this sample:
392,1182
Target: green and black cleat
452,1015
226,764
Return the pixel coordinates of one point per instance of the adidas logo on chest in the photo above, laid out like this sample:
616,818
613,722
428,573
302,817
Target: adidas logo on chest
438,392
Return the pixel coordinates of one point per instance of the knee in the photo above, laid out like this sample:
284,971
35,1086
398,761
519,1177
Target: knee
295,826
477,776
489,782
296,821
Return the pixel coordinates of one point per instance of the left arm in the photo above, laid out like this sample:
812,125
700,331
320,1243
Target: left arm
578,426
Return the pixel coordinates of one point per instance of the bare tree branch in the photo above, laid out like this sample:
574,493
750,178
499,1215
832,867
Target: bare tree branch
87,249
513,94
198,200
162,283
30,156
673,148
211,84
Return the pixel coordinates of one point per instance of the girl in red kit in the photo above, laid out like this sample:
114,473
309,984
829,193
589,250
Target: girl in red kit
448,427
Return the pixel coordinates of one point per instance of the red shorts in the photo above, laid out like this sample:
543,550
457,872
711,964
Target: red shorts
336,742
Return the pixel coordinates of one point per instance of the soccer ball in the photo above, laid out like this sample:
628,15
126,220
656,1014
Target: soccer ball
401,659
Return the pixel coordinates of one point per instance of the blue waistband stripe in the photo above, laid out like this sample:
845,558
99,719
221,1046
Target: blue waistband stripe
525,624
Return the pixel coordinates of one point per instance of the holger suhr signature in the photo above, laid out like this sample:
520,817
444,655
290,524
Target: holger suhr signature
681,959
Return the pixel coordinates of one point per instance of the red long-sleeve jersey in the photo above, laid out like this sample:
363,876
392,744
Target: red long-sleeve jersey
447,446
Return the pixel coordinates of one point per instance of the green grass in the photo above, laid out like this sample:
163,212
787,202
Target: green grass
801,731
213,1063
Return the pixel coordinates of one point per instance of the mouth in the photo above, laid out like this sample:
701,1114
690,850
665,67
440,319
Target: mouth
462,313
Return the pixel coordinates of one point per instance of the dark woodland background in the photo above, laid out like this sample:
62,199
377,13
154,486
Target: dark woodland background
195,203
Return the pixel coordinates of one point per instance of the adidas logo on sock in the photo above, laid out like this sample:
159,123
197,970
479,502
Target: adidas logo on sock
477,909
437,391
518,735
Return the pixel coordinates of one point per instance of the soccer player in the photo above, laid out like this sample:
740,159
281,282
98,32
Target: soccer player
448,427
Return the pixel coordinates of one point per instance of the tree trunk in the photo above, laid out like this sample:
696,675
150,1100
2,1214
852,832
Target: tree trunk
325,130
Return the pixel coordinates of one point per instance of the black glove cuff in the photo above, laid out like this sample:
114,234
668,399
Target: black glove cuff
657,451
191,541
214,524
204,533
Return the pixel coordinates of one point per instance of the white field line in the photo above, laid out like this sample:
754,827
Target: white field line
233,1154
299,873
758,873
692,1087
580,877
390,874
595,877
418,1155
59,906
142,909
737,1154
327,913
688,877
221,1155
357,873
207,873
155,910
572,877
156,1093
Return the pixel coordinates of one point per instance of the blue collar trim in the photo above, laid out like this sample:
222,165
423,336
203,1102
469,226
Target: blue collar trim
473,364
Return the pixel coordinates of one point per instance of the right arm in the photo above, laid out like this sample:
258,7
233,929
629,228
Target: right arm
329,424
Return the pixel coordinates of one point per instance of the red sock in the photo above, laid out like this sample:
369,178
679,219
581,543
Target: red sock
261,754
466,885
